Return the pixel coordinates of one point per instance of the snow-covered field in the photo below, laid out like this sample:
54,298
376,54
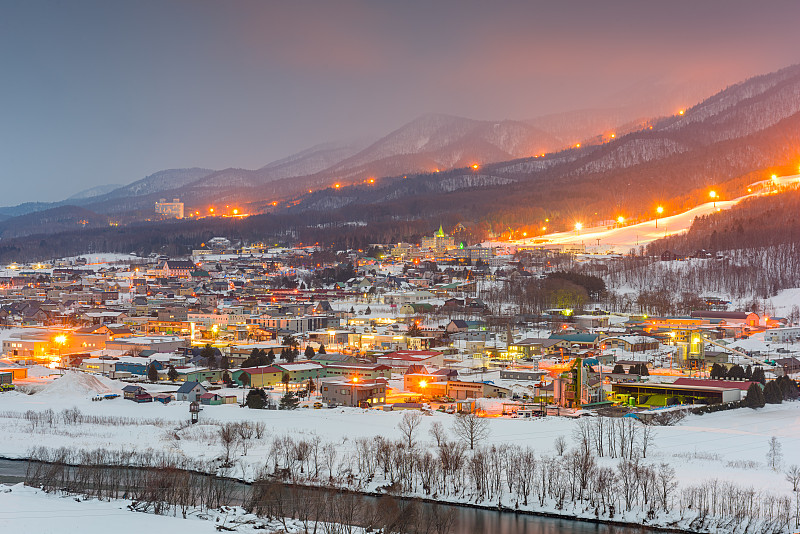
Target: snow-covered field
730,445
33,511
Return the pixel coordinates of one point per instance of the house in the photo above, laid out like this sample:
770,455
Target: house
302,371
631,343
131,391
400,360
190,391
470,390
460,325
200,374
782,335
533,346
790,365
743,318
334,358
579,341
353,393
259,376
363,371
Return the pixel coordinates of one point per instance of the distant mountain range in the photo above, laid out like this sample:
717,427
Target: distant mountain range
430,143
625,164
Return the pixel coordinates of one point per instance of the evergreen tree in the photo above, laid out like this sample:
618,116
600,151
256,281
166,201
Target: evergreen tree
309,353
748,372
618,369
152,372
289,355
226,377
633,369
755,397
643,370
289,401
289,341
788,388
758,375
256,399
772,393
736,373
270,357
321,350
252,360
719,371
223,362
368,311
172,374
244,378
208,354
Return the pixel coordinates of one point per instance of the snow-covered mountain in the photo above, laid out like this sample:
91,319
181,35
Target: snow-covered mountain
95,191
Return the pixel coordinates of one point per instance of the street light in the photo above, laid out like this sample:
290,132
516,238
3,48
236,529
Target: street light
713,195
578,226
620,220
60,340
659,211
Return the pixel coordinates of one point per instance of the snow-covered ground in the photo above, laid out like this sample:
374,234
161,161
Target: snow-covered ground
700,447
33,511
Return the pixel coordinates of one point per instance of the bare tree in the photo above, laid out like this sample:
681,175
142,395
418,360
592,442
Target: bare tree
408,426
774,454
245,433
647,439
438,433
560,445
793,478
470,428
228,435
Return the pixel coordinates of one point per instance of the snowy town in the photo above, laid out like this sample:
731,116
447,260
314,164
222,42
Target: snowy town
399,340
358,267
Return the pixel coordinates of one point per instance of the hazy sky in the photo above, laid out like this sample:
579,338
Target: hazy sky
110,91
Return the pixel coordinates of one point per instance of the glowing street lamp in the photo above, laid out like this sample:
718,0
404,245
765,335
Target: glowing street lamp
620,220
60,340
659,211
713,195
578,226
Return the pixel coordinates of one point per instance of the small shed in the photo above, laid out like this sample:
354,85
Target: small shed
211,399
143,397
163,398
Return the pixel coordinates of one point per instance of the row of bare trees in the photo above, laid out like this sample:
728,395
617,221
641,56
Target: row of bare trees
450,465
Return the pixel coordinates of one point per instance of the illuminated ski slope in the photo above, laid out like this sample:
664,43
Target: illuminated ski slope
621,239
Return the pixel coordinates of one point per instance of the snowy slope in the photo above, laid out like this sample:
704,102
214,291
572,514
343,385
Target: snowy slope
622,239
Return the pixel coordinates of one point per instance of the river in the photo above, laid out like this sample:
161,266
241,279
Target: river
467,520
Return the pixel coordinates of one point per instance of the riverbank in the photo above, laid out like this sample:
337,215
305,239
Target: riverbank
16,470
